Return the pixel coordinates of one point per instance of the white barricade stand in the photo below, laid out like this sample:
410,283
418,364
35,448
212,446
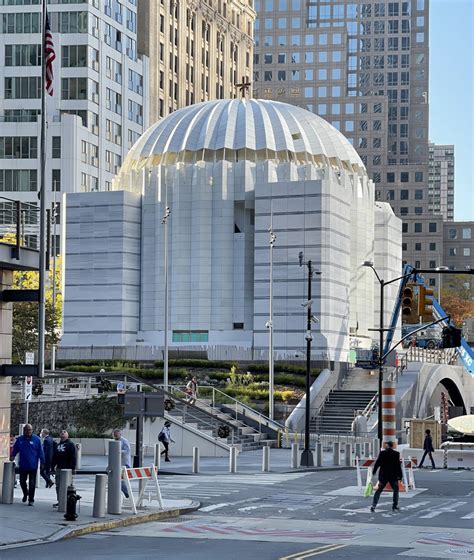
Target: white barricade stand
407,464
368,464
142,474
411,476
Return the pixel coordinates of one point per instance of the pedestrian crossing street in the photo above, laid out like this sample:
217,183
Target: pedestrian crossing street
208,487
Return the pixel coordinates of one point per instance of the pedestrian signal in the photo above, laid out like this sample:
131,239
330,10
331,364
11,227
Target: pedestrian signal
451,337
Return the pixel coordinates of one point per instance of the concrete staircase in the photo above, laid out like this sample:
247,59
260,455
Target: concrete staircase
339,411
206,419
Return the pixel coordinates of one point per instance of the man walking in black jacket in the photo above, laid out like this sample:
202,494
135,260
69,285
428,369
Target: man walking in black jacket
388,462
64,458
428,448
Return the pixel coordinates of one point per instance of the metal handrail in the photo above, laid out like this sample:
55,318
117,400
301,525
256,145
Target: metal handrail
261,418
186,407
371,406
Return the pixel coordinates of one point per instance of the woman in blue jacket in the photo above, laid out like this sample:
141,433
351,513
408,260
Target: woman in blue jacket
31,453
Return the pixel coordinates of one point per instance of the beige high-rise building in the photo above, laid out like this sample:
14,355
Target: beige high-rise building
198,50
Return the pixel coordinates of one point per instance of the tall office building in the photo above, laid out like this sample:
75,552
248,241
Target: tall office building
441,181
99,106
198,51
363,66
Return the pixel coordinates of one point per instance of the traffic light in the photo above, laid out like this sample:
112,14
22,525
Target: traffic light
425,301
451,337
408,305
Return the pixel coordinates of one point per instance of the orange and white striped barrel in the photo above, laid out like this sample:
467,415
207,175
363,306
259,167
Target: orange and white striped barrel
389,420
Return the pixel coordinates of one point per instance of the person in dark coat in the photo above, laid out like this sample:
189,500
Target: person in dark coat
64,458
429,449
31,453
388,462
48,450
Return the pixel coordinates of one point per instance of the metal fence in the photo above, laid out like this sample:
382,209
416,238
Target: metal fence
19,223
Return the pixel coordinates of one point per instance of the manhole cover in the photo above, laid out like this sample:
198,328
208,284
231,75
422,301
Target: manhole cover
462,551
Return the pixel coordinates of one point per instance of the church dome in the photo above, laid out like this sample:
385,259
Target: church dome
243,129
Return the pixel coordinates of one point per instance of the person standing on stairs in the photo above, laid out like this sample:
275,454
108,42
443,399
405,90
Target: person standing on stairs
192,390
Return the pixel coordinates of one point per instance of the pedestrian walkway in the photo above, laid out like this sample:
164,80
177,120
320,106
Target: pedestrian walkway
21,525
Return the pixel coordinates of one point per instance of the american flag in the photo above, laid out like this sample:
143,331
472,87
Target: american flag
49,56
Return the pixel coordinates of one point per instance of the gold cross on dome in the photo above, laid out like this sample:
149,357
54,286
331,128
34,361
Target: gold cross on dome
244,86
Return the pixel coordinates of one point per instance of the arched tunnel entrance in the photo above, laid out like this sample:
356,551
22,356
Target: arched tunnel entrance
453,394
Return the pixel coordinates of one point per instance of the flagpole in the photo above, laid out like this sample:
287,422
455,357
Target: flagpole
42,197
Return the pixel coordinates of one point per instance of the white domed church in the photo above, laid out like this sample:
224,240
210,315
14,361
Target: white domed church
228,171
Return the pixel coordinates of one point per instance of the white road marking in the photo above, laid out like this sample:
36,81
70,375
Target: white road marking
451,508
469,516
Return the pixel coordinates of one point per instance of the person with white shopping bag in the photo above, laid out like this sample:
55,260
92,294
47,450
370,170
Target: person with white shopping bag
390,467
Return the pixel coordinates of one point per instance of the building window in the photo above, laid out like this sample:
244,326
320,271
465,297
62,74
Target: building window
417,246
418,194
432,264
404,194
404,177
74,88
18,180
238,326
466,233
404,227
466,252
417,264
18,147
56,147
390,177
452,233
432,227
418,210
56,180
190,336
404,246
404,211
432,281
453,251
22,88
22,55
418,227
432,246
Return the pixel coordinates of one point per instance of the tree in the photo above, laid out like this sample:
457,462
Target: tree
457,307
25,314
458,285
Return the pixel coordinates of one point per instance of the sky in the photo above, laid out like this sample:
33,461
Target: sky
452,93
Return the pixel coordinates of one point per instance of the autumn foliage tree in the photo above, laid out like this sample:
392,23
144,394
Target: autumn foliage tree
456,298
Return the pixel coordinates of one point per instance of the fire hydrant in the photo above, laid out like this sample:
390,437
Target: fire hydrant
72,499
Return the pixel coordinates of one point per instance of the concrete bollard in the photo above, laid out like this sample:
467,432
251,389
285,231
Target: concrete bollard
157,455
78,455
114,470
8,482
38,477
196,460
266,458
336,454
375,447
367,449
319,454
348,455
358,450
294,455
233,460
98,509
65,480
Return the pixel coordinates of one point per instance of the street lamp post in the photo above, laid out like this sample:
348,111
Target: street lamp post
439,269
271,387
164,221
307,455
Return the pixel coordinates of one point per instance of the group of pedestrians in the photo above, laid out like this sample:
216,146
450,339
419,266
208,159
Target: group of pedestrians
51,457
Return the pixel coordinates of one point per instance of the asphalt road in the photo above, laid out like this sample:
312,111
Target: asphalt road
289,517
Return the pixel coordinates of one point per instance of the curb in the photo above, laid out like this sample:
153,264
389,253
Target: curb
98,526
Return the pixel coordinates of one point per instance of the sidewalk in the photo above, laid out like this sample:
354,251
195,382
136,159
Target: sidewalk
22,525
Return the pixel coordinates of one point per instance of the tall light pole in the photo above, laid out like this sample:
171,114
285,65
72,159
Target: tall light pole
307,455
164,221
271,375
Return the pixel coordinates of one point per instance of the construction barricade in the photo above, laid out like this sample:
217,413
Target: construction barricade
144,475
407,482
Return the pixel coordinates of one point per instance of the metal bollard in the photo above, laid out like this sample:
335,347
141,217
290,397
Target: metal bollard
196,460
99,495
336,454
319,454
358,450
8,482
348,455
157,455
65,480
114,470
375,447
294,455
78,455
233,460
366,449
266,459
